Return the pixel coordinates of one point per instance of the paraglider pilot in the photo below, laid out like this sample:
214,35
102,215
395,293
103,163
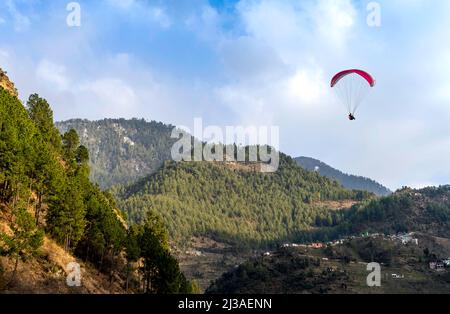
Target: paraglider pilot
350,86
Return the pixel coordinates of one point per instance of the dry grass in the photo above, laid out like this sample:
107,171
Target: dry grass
47,272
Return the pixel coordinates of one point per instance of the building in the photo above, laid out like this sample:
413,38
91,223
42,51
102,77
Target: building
437,266
317,245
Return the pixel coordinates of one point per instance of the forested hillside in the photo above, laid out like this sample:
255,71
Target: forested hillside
45,193
245,208
426,210
122,150
371,231
348,181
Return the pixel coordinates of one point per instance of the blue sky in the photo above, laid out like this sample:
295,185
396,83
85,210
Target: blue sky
250,62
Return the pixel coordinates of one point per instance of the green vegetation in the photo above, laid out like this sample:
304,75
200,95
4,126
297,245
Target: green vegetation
160,270
243,208
407,210
348,181
339,269
122,150
125,150
45,188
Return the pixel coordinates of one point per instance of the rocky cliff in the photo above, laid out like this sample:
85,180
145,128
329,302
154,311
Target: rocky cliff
7,84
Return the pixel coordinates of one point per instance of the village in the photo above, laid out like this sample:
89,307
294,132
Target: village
404,239
401,238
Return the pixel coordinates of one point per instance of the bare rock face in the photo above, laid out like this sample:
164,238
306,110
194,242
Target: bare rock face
7,84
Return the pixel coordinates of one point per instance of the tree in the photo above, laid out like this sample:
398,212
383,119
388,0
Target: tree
82,155
132,250
66,215
45,173
153,243
42,115
169,279
71,142
160,269
16,133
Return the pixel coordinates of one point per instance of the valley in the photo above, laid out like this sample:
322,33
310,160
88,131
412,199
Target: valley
198,223
215,212
181,151
343,269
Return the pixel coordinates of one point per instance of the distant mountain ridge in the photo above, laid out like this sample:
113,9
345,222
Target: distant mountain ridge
351,182
122,151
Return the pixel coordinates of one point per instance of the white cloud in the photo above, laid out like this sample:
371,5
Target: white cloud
142,12
112,95
246,58
307,88
334,20
21,22
206,24
275,64
52,74
159,15
249,106
310,41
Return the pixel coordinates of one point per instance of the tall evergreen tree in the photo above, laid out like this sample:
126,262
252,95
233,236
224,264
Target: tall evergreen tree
42,115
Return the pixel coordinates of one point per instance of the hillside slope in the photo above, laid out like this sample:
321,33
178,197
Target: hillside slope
342,269
426,210
125,150
50,212
381,230
48,273
348,181
122,150
231,205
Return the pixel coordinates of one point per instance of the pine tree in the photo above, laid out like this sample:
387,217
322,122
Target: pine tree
42,115
66,216
71,142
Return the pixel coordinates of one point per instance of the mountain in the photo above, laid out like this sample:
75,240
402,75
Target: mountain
389,226
233,204
219,214
122,151
348,181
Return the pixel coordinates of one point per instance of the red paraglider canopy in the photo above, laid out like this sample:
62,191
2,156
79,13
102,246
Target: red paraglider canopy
363,74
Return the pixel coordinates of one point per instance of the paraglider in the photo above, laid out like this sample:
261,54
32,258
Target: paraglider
352,86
